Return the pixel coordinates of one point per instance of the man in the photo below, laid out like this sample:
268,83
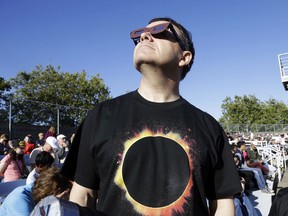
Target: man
43,161
283,143
40,141
63,148
50,146
4,147
150,152
255,160
246,176
242,167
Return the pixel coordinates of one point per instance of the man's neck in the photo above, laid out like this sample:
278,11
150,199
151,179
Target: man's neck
159,90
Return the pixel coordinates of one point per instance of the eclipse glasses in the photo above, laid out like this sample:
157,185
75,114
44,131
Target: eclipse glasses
156,30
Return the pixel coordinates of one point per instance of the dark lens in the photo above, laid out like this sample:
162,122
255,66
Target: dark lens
136,40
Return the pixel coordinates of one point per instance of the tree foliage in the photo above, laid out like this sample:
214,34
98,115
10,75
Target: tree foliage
250,110
4,86
40,93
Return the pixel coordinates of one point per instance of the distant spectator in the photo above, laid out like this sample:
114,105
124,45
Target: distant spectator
283,143
49,146
4,147
29,144
40,141
243,169
22,144
43,161
12,166
63,150
255,160
50,132
23,199
229,136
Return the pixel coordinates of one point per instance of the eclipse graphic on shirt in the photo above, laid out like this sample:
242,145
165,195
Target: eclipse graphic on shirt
155,172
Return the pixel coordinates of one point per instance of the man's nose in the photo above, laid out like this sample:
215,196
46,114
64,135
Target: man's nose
146,36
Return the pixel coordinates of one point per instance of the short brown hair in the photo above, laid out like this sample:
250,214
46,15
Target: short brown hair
50,182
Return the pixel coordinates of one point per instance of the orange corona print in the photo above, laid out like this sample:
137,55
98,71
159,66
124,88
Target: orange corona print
173,207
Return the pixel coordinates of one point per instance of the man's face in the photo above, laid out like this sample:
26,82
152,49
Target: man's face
4,142
62,141
47,147
160,50
41,136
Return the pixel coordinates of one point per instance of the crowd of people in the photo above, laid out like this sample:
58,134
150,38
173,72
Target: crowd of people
18,161
41,169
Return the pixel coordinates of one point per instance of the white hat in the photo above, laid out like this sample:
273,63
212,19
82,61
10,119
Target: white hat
60,136
52,141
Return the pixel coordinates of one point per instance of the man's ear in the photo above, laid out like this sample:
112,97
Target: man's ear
186,58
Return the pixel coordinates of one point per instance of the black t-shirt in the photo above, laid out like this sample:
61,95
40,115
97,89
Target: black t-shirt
148,158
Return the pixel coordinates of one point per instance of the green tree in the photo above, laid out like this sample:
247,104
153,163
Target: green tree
241,110
4,86
248,110
38,95
4,98
275,112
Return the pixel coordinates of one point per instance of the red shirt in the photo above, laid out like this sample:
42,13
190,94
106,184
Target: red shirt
29,148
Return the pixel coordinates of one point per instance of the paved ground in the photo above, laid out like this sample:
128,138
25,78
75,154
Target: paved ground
284,182
261,201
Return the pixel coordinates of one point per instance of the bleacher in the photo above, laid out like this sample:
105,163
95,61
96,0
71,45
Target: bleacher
276,156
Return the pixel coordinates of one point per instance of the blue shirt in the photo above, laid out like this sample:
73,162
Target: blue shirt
18,202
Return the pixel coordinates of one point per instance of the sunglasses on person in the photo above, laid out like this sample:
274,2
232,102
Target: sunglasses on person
156,30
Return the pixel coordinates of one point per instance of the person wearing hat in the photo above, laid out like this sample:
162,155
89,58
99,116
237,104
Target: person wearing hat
50,146
4,147
22,144
63,150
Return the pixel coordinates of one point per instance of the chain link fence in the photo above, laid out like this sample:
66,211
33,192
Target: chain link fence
21,117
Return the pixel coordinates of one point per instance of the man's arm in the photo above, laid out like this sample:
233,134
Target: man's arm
83,196
222,207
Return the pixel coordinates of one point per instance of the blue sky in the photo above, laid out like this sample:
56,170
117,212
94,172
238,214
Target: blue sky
236,42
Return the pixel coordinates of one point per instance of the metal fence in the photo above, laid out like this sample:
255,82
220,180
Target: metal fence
256,128
57,117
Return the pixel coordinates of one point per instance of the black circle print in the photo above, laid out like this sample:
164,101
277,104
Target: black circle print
156,171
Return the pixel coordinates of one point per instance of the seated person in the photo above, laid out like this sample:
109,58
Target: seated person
4,147
255,160
12,166
22,200
50,146
29,145
238,158
43,161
